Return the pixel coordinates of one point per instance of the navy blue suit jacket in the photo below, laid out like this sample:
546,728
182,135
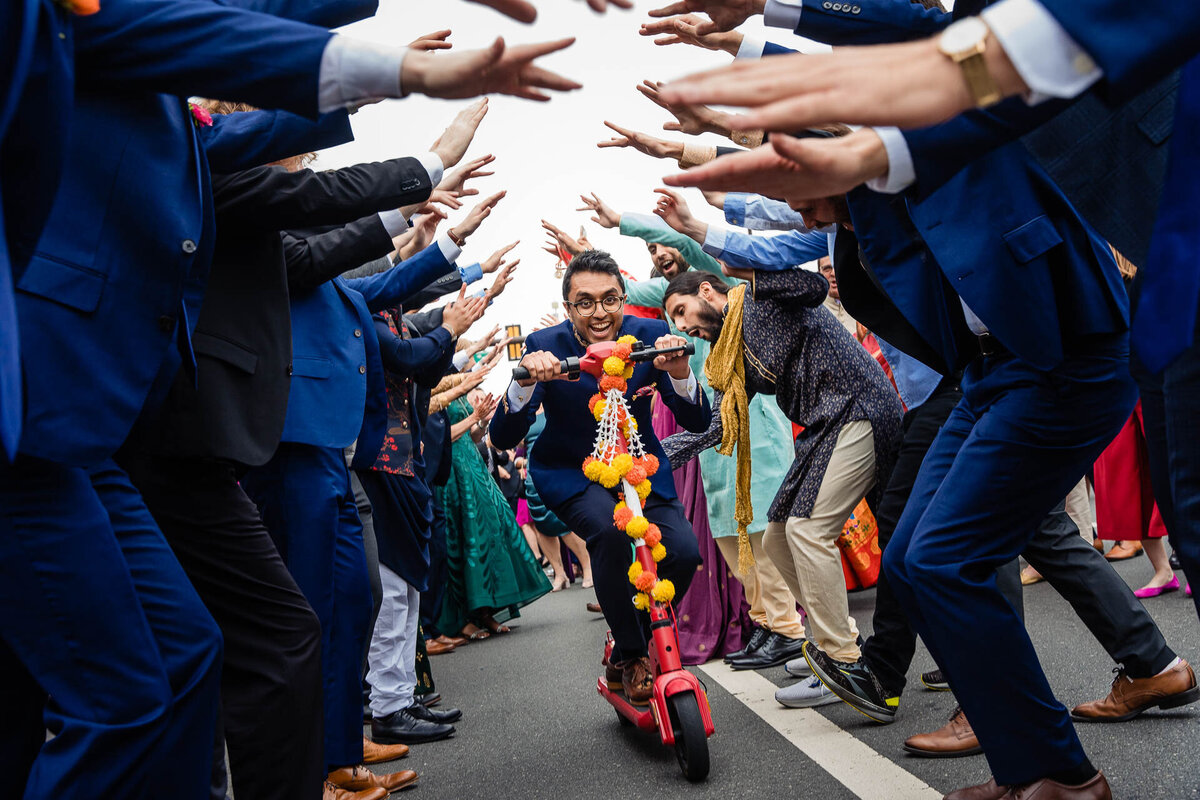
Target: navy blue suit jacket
113,287
338,393
556,462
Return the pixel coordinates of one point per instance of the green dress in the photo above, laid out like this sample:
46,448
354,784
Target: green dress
771,448
490,566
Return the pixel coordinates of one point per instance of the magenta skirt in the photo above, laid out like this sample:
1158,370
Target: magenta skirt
523,517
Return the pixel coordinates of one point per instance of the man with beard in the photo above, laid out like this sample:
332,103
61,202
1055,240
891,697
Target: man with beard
771,336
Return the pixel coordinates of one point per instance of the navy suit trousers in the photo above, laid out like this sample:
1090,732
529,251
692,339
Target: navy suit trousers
97,615
308,506
1009,452
590,515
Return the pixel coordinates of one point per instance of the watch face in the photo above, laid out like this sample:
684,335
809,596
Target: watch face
963,35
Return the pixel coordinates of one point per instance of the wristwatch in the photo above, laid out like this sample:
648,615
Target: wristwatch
964,42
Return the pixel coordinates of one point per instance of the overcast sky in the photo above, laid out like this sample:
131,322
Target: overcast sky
545,152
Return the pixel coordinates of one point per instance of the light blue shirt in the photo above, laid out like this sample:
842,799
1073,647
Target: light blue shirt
780,252
758,213
914,380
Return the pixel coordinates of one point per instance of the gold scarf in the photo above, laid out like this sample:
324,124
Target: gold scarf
725,370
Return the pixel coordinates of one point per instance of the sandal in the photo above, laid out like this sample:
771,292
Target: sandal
477,636
492,625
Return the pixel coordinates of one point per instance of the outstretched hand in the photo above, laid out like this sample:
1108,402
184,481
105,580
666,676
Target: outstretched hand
674,211
724,15
604,216
497,69
685,30
496,260
452,145
455,181
691,119
477,215
432,41
503,279
459,316
559,238
643,143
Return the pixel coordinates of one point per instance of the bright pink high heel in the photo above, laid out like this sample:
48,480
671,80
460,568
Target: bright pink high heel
1154,591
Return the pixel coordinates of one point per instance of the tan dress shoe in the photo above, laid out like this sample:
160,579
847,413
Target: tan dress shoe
333,792
952,740
1131,696
1123,550
436,648
983,791
358,779
1046,789
637,681
379,753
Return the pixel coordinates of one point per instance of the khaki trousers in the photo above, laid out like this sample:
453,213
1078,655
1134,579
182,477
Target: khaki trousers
772,604
1079,509
805,551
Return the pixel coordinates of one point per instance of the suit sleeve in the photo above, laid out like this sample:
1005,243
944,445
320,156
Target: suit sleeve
781,252
508,427
319,257
252,138
424,358
869,21
396,285
684,446
694,417
198,47
449,283
326,13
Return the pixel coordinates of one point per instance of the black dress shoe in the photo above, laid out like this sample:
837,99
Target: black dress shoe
443,717
777,650
757,639
430,699
402,727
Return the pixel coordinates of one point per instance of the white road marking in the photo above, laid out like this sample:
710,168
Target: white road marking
852,763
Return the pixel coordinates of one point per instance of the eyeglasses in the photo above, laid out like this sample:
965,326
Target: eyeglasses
587,306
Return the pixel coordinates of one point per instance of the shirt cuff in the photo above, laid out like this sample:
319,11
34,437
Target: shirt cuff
1051,63
470,273
460,360
357,71
783,14
748,139
901,174
518,396
735,209
714,241
393,222
751,48
450,251
686,388
696,154
432,163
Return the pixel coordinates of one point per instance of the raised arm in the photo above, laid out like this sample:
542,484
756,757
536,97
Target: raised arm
683,447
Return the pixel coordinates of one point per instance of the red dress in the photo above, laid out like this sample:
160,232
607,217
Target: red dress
1125,507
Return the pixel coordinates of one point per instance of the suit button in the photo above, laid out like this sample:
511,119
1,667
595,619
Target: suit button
289,370
357,333
856,10
362,370
827,5
837,6
166,323
188,246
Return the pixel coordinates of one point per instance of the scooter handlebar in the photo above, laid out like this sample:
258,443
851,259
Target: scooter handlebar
572,365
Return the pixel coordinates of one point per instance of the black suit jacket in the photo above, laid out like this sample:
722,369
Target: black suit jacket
235,405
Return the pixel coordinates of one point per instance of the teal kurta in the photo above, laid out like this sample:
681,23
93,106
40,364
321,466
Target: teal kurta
771,448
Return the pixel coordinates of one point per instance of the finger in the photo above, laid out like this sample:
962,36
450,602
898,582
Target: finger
462,292
671,10
671,196
545,79
614,143
529,52
672,126
705,28
668,40
517,9
530,94
623,131
651,95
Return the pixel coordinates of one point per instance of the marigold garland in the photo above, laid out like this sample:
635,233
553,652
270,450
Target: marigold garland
618,455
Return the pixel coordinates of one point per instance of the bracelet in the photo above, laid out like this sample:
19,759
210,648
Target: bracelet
454,237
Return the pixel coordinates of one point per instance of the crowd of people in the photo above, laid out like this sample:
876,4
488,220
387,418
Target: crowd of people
250,481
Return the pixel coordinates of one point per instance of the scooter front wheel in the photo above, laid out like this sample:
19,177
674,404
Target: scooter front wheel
691,741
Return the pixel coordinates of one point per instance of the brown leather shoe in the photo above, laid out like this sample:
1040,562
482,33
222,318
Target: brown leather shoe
612,675
952,740
595,608
637,681
456,641
1131,696
333,792
1046,789
379,753
1123,550
984,791
436,648
358,779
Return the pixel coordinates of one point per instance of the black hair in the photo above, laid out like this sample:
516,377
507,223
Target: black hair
688,283
591,261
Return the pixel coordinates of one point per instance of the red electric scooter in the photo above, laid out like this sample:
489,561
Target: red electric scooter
679,707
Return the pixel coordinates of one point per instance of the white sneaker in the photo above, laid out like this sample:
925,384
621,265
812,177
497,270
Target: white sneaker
798,668
806,694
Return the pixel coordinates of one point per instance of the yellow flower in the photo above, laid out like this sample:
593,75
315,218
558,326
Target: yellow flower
664,591
641,602
635,569
643,490
593,470
614,365
658,552
598,410
628,339
637,527
626,374
622,463
609,477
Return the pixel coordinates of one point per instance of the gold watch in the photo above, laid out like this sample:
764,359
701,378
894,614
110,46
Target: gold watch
964,42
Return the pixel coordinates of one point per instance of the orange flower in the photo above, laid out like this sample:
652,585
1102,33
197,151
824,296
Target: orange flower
653,536
610,382
645,581
650,464
635,475
622,350
621,517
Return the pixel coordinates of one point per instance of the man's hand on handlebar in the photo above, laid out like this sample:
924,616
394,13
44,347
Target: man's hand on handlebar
542,366
674,364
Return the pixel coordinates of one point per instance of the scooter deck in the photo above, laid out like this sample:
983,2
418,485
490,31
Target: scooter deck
640,716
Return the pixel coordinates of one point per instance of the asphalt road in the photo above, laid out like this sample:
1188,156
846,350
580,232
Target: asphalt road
534,726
